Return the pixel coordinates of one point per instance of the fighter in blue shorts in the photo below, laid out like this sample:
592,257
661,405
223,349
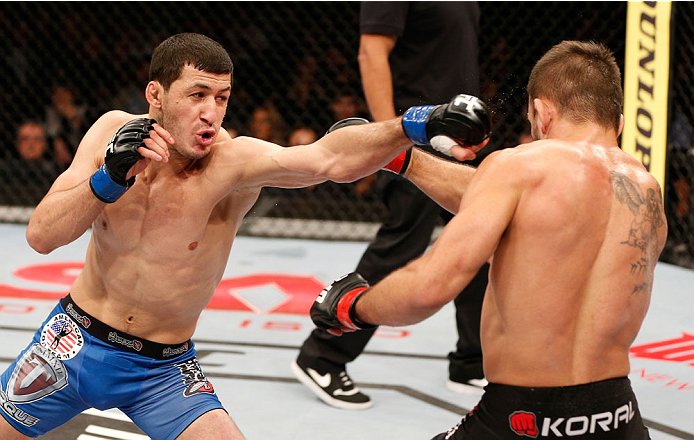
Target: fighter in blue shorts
160,244
54,379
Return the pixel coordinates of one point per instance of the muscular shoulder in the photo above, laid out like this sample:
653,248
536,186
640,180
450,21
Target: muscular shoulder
100,133
242,149
116,117
90,151
628,165
113,120
239,160
551,158
522,163
551,173
632,183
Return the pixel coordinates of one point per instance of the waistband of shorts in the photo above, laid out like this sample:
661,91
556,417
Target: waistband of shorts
121,340
608,389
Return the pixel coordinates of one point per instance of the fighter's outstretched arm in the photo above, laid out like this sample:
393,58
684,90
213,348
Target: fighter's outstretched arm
344,155
80,193
421,288
355,151
442,180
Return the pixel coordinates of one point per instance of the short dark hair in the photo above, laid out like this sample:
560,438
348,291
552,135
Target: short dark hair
179,50
583,80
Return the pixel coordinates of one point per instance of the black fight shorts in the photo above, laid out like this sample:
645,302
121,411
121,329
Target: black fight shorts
595,411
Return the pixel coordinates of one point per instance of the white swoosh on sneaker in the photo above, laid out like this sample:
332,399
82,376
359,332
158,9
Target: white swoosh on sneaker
322,380
339,392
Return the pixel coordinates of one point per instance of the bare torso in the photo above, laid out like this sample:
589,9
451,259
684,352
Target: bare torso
571,279
157,254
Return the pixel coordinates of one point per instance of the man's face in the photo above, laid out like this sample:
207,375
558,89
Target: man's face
193,110
31,141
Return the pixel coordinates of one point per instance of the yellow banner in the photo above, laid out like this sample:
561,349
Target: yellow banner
646,78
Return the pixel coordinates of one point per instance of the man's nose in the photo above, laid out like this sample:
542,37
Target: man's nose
208,112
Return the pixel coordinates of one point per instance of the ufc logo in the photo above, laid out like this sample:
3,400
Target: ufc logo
523,423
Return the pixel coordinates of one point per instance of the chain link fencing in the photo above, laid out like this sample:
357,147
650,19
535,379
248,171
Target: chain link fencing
296,72
679,189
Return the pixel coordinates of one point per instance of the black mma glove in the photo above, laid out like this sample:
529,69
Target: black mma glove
334,307
108,183
398,165
465,120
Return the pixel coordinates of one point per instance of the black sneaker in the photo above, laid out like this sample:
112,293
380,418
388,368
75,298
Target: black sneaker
332,387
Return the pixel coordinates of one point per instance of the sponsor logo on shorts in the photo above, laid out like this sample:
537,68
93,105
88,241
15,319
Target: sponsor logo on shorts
38,373
82,319
117,339
168,351
62,336
193,378
15,413
524,423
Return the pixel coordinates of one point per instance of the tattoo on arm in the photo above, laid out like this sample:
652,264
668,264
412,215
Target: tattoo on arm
648,217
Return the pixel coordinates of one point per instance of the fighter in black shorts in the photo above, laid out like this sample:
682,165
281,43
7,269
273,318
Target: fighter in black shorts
568,286
605,410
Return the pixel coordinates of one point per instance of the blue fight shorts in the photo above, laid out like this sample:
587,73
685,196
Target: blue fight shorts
76,362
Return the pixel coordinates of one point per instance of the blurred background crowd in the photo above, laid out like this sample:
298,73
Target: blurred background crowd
296,72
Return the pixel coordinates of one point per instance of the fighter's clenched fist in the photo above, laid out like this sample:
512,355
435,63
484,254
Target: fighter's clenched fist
334,307
111,180
463,121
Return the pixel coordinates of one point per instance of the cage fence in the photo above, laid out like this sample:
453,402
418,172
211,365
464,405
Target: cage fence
296,73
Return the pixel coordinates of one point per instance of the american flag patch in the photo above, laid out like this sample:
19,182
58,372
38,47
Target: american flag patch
59,325
61,336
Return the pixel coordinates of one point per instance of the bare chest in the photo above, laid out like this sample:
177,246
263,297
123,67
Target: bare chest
167,219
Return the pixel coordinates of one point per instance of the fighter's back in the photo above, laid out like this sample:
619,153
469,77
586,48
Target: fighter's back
571,278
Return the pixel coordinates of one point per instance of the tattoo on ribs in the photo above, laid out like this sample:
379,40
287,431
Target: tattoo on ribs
643,232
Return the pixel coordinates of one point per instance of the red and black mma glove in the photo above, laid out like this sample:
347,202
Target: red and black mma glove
465,120
334,307
398,165
108,183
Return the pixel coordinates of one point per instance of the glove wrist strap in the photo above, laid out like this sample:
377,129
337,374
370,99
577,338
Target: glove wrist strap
399,164
414,123
104,188
345,309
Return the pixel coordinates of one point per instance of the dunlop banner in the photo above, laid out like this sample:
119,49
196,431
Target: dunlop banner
646,75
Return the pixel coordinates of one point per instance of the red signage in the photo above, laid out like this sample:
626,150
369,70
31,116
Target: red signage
673,350
299,290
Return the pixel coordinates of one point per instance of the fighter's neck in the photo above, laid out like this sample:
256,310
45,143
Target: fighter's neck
583,132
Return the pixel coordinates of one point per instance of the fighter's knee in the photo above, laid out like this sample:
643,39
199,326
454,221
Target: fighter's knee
8,432
213,425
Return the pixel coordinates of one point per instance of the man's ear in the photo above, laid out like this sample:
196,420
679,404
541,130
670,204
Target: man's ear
154,93
546,112
621,125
